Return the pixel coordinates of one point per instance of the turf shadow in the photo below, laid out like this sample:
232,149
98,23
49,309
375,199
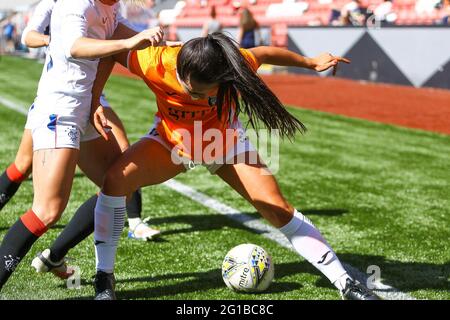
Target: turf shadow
405,276
194,282
209,222
397,274
202,222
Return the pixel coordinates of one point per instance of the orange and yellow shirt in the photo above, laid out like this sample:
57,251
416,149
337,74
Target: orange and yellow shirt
176,109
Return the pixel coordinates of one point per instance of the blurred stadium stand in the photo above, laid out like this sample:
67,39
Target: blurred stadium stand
398,41
306,12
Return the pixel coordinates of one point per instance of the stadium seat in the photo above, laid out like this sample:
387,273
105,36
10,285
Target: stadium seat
279,35
294,13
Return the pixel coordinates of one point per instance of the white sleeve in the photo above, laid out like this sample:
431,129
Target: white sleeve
40,19
75,23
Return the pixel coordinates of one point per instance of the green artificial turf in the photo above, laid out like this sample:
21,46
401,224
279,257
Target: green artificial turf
380,194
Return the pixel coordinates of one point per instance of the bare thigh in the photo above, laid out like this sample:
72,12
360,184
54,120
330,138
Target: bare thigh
145,163
255,183
53,171
97,155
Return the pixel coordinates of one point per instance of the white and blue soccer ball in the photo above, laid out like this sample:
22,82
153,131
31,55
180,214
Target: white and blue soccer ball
248,268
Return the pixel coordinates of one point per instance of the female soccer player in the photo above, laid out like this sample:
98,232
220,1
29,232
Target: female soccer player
59,120
197,87
36,35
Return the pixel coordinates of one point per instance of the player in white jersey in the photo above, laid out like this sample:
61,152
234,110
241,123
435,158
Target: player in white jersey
36,35
81,33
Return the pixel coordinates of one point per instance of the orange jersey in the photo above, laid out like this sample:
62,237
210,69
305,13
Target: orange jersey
177,111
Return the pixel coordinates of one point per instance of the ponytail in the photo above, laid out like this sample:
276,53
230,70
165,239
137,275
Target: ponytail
217,59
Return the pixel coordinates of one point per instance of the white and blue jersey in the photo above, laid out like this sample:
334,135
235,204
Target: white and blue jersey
60,113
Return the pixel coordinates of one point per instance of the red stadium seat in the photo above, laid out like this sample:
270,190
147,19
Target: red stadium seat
316,14
279,35
218,2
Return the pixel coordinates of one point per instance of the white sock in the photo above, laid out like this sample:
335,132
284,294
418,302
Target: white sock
109,222
134,222
310,244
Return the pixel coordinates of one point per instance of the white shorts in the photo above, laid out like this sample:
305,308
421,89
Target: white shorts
242,146
54,131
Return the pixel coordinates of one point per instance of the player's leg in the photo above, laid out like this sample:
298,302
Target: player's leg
96,155
17,171
53,171
146,162
138,229
258,186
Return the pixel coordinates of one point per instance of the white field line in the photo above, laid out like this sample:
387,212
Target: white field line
383,290
13,106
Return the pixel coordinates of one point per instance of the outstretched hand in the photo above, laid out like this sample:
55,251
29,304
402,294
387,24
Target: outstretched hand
100,122
326,61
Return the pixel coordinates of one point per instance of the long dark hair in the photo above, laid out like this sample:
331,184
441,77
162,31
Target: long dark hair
217,59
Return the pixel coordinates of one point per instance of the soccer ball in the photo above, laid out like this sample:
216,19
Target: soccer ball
247,267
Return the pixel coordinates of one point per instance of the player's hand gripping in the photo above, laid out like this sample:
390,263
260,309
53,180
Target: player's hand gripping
144,39
325,61
99,121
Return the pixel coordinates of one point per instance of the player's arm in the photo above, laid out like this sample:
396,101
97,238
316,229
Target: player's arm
88,48
98,117
35,39
104,70
33,36
283,57
78,45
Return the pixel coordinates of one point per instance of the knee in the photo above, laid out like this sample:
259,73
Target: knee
276,210
24,164
51,218
114,183
274,203
50,213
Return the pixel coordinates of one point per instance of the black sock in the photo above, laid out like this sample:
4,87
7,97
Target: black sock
134,206
79,228
15,245
7,189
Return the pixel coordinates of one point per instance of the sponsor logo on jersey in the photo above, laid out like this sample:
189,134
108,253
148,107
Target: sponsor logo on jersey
178,114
